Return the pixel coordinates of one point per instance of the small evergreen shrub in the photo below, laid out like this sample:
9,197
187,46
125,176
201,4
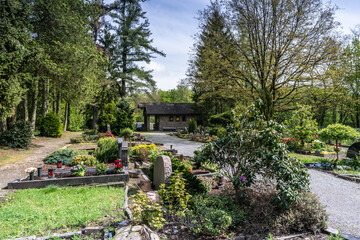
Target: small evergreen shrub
17,136
108,150
222,119
66,155
192,125
126,133
213,214
51,126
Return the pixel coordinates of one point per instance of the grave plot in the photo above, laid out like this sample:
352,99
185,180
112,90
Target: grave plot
85,169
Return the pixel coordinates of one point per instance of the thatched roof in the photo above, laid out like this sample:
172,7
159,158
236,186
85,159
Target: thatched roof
168,108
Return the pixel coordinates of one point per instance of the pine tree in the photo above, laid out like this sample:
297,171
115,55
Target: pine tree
131,45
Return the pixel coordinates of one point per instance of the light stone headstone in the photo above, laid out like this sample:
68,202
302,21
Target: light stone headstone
162,170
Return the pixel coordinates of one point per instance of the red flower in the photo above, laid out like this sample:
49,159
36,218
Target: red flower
190,170
118,166
117,161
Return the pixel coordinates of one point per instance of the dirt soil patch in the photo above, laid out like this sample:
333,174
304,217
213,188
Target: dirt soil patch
19,160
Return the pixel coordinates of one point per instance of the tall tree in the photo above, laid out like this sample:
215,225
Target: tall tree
279,43
130,45
214,91
14,41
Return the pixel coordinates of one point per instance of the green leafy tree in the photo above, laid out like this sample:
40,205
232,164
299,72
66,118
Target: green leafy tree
129,45
301,124
338,132
252,148
270,64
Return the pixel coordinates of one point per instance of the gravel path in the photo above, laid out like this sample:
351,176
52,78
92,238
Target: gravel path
341,198
183,147
44,146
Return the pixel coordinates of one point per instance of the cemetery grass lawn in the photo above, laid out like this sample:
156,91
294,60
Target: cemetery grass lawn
347,172
307,158
42,212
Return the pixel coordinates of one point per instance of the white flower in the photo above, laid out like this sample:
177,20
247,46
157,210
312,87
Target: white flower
30,170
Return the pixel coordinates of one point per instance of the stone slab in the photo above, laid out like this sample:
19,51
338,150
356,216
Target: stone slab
162,170
70,181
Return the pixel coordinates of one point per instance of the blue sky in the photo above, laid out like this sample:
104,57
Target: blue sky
173,24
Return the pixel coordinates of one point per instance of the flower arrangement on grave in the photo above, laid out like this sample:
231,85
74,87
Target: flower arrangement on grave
79,170
118,166
31,171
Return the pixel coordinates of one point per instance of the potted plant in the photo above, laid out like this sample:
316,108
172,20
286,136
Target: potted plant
79,170
118,166
31,171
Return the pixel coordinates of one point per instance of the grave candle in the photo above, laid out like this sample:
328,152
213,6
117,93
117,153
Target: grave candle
59,163
51,172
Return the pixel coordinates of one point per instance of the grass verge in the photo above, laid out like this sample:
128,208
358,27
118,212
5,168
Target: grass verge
13,155
308,158
348,172
41,212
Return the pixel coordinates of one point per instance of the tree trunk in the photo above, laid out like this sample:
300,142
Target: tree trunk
13,118
58,104
45,98
3,124
34,109
66,116
26,110
95,114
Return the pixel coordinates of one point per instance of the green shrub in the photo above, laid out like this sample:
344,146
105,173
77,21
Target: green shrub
213,214
124,116
66,155
175,196
307,215
218,131
252,148
222,119
17,136
101,168
51,126
146,211
88,160
126,133
108,150
192,125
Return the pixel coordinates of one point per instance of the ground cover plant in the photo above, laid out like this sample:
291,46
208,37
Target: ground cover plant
42,211
66,155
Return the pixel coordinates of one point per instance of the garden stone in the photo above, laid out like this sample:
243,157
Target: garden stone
153,196
136,228
162,170
153,236
145,185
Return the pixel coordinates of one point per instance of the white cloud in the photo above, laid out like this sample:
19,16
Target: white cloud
157,67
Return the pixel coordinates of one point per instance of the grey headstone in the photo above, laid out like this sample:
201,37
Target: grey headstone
124,154
162,170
